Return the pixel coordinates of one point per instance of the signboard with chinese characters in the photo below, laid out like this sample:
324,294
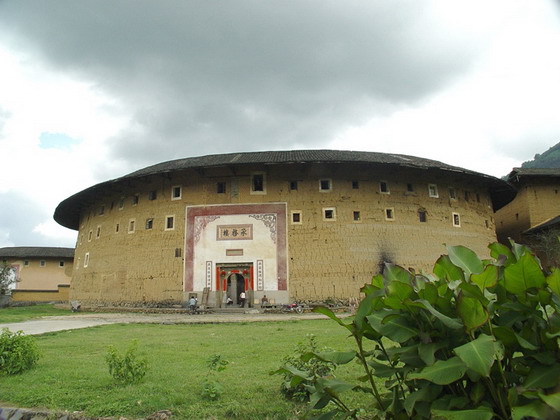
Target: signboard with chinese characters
234,232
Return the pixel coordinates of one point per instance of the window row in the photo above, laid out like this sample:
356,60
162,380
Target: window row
42,263
169,224
329,214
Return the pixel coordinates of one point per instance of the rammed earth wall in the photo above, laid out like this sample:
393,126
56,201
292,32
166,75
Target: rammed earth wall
336,238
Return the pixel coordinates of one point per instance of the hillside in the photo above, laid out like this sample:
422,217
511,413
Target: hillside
549,159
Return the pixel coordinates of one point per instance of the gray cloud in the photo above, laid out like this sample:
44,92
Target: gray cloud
206,77
18,216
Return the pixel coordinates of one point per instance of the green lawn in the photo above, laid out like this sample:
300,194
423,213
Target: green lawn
23,313
72,373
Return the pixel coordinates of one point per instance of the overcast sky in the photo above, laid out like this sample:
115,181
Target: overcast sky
92,90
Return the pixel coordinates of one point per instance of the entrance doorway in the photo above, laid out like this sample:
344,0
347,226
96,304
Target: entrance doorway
235,285
232,279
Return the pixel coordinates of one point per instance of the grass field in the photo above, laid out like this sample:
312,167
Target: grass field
72,373
23,313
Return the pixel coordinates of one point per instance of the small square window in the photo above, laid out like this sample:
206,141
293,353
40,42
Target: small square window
221,187
258,183
293,185
42,263
456,219
355,185
329,213
422,216
26,263
409,187
149,223
131,225
453,193
433,191
389,214
384,187
176,192
135,199
325,185
296,217
61,263
152,195
356,216
169,222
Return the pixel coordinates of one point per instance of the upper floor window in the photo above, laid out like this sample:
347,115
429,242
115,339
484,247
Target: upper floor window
258,183
98,232
325,185
356,216
452,193
176,192
61,263
152,195
221,187
149,223
390,214
433,190
355,185
121,204
131,225
101,210
26,263
135,199
42,263
296,217
409,187
422,215
329,213
169,222
384,187
293,185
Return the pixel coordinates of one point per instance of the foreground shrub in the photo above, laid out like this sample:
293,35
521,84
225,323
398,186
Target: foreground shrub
477,339
128,368
299,364
212,388
18,352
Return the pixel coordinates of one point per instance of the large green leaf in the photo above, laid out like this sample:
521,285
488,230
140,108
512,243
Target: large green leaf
396,273
480,413
542,377
535,410
447,321
488,278
427,351
471,311
552,400
397,294
479,354
497,249
428,392
396,328
466,259
326,311
553,281
442,372
445,269
526,273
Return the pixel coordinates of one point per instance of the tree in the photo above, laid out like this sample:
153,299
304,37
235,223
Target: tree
7,277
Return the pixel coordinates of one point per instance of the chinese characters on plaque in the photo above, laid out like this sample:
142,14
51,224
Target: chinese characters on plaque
234,232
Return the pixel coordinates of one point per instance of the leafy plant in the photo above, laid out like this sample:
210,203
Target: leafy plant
8,277
18,352
477,339
128,368
212,389
298,365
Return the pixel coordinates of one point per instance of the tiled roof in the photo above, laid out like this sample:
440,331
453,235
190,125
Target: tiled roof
36,252
67,212
553,222
518,173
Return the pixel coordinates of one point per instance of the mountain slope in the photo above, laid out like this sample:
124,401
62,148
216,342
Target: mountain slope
549,159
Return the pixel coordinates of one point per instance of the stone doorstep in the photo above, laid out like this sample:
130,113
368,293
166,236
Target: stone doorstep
8,413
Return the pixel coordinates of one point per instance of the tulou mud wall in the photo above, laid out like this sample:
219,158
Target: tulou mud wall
340,223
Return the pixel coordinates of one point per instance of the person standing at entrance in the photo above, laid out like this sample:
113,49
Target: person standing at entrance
242,298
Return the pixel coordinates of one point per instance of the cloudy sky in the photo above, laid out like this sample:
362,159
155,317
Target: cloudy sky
92,90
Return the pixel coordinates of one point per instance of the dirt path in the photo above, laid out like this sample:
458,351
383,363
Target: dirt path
85,320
